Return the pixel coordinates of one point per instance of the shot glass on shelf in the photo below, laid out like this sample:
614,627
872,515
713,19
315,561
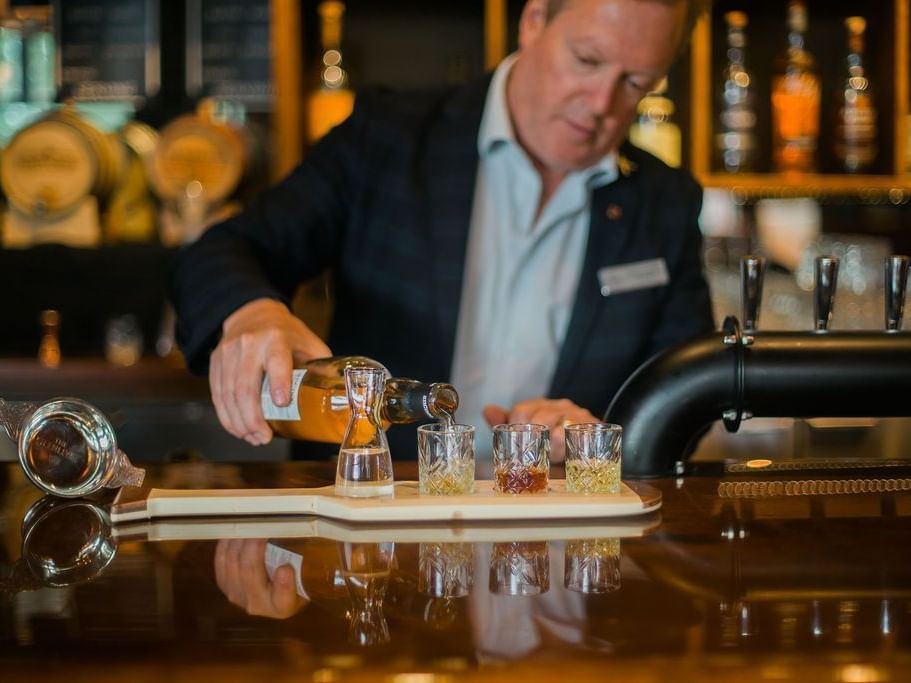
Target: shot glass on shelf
445,459
521,458
592,565
519,568
593,451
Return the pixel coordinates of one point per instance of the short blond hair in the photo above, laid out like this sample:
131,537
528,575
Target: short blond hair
694,9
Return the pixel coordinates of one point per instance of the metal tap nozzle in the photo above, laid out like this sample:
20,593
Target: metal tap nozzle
824,294
896,268
751,272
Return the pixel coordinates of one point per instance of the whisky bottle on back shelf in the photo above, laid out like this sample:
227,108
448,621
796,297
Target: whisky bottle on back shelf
855,132
654,129
735,142
319,409
332,100
795,100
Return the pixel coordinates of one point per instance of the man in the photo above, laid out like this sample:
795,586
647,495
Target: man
495,235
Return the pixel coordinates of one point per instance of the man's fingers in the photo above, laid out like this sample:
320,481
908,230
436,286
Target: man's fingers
228,372
278,369
216,388
495,415
223,397
283,592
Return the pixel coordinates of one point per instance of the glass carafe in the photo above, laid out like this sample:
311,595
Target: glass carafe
366,568
364,464
67,447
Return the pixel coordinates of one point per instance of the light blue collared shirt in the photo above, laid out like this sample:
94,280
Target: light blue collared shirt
521,273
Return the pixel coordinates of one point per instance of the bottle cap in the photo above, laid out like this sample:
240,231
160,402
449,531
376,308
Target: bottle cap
856,25
736,19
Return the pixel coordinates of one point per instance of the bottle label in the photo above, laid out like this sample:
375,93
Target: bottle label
271,411
276,556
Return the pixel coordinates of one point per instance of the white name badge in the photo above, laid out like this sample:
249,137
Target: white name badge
632,276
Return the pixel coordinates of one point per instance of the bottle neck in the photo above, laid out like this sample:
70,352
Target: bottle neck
856,55
407,400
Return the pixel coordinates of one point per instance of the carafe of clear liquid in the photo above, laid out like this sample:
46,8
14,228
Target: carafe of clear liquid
67,447
364,464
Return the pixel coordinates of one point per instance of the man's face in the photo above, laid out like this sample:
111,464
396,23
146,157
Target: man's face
574,90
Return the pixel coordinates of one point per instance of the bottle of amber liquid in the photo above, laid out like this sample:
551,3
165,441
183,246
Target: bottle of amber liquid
735,141
795,100
319,408
654,130
855,132
332,100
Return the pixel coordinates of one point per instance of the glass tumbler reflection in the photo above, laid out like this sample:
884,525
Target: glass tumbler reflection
444,569
519,568
521,458
445,459
592,565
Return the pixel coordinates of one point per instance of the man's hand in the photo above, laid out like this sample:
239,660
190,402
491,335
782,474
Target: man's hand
552,413
240,572
261,337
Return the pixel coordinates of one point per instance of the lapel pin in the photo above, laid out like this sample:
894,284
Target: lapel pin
614,211
625,166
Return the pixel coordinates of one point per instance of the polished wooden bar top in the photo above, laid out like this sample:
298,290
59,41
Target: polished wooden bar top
800,575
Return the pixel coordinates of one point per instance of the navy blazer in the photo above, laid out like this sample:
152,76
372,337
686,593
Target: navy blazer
385,200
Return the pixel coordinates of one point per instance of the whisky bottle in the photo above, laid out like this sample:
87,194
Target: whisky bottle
332,100
654,130
319,409
855,132
735,142
795,100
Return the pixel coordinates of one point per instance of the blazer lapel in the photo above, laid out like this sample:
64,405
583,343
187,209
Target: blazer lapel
447,178
613,214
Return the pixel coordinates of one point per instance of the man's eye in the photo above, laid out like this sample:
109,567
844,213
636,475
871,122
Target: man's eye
586,60
638,86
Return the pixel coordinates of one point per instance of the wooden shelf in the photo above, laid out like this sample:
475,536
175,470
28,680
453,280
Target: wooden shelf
758,185
874,187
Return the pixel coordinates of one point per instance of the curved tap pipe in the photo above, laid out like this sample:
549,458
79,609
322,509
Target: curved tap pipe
670,400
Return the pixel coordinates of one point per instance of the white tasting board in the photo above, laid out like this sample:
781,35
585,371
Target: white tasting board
405,505
293,527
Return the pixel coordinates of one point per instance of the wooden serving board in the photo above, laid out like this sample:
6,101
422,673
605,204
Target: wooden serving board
406,505
292,527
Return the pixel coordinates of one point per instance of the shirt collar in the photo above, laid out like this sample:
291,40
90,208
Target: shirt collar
496,125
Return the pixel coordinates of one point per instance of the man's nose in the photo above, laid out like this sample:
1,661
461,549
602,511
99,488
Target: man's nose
603,95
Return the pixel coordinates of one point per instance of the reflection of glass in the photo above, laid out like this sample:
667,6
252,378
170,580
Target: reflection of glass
366,568
445,459
519,568
123,341
67,447
444,569
593,457
521,458
592,565
445,574
364,463
64,542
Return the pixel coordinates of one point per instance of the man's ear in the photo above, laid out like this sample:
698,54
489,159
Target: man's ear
532,21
